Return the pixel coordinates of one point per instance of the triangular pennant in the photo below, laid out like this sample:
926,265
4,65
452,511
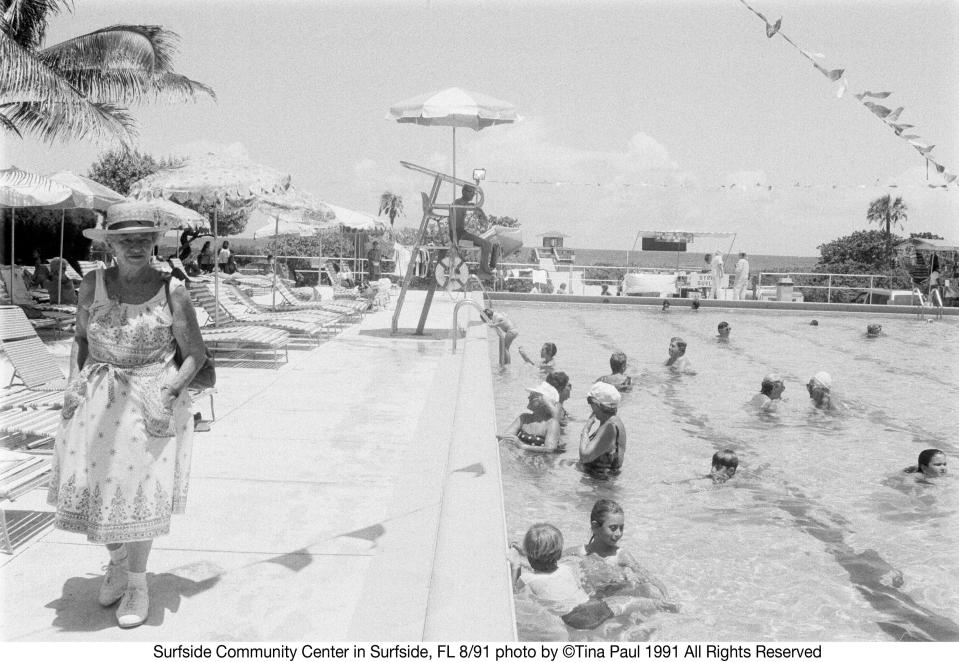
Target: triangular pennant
950,177
894,115
910,136
874,95
771,30
922,149
841,88
831,74
881,111
899,128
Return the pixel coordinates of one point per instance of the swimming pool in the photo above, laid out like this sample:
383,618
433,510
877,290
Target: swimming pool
815,538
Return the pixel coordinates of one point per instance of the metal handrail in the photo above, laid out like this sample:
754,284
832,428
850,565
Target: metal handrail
456,326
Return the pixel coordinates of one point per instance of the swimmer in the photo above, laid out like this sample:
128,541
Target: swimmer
819,387
505,324
723,331
546,354
874,330
695,305
560,381
665,306
677,361
931,464
724,466
538,429
814,323
556,586
617,376
770,393
607,524
602,443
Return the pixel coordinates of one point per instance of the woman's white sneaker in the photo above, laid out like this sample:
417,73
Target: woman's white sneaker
134,606
114,583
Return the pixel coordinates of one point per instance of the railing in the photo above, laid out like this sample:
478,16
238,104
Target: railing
831,279
456,326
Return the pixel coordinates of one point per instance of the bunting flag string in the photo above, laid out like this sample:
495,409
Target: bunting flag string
732,187
888,116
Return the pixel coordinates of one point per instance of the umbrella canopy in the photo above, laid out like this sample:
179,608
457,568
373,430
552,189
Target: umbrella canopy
212,178
19,188
261,224
86,193
357,220
180,217
509,239
453,107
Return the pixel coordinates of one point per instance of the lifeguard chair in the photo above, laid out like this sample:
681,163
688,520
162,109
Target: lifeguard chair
448,268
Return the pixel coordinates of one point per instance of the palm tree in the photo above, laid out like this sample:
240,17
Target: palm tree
391,205
82,87
887,212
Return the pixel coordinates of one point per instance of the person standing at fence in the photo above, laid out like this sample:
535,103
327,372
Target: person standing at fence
742,277
717,268
223,257
374,261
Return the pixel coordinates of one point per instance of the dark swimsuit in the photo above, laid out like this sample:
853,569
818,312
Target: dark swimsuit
607,464
531,439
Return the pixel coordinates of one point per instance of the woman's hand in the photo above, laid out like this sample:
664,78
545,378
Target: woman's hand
168,397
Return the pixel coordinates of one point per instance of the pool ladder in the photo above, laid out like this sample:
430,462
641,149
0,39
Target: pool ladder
456,327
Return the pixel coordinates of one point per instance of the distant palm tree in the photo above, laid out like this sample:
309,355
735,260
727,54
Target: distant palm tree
391,205
82,87
887,212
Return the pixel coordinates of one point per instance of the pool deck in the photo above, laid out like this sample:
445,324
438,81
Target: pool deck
353,494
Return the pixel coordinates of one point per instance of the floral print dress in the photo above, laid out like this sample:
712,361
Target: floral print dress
121,463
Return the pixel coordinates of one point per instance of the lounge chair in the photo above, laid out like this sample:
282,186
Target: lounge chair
58,316
31,360
231,296
247,340
20,473
290,304
238,315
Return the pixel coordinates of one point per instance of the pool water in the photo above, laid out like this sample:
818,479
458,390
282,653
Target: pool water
819,536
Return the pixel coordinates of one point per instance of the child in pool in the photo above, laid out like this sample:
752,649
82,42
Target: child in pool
677,361
724,466
606,522
546,354
931,464
556,586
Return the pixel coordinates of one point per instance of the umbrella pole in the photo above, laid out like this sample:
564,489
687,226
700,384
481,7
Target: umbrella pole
216,273
63,214
276,231
454,160
13,222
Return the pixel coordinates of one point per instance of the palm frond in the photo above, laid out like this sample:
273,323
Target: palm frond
51,121
7,125
25,21
122,64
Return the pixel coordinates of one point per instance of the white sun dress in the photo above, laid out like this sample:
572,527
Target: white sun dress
121,464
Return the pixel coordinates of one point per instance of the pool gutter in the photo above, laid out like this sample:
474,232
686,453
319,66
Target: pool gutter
724,304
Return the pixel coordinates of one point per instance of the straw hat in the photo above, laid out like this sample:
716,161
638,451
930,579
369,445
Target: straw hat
129,218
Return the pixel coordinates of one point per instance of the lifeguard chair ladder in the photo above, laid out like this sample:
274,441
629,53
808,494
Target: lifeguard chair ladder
449,271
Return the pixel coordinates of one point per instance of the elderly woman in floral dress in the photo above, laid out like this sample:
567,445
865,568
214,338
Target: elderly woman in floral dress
121,463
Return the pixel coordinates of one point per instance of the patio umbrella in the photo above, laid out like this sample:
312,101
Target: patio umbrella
357,220
453,107
87,194
217,179
180,217
19,188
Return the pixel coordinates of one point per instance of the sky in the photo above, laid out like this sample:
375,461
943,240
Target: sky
642,115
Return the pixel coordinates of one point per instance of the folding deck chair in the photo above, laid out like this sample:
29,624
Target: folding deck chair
318,313
41,382
247,339
20,473
58,316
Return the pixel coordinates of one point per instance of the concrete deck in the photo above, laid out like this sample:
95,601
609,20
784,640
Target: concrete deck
336,498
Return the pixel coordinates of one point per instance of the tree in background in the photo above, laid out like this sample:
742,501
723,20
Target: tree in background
82,86
119,168
887,212
391,204
476,224
924,235
862,252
